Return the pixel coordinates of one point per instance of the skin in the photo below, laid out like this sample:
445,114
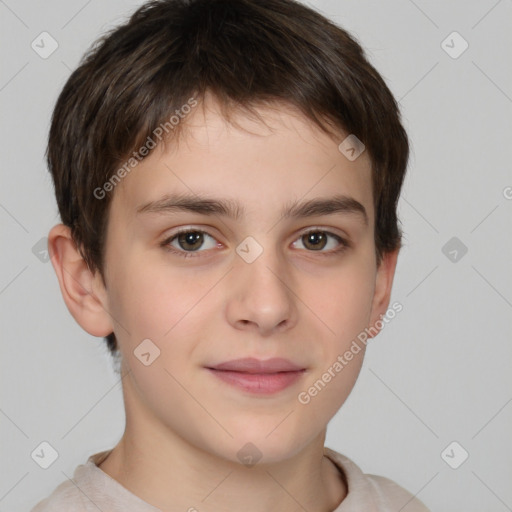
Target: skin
184,426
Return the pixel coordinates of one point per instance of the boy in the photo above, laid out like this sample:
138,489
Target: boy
227,173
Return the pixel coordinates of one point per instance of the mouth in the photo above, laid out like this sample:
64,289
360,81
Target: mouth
258,376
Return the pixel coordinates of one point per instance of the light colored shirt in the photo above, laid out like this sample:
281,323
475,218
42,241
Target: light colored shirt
94,490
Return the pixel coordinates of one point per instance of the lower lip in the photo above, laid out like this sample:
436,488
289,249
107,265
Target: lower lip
259,383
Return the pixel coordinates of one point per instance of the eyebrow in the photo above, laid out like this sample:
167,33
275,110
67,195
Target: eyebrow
338,204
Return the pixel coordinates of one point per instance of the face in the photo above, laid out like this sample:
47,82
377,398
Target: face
242,270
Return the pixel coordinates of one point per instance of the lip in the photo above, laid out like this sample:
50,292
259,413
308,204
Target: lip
253,365
258,376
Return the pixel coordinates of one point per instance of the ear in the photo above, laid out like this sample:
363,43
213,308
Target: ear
82,290
383,285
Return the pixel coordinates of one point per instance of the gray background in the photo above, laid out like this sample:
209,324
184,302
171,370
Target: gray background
440,372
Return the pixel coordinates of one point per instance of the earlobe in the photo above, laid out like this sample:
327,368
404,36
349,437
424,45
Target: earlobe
383,285
85,300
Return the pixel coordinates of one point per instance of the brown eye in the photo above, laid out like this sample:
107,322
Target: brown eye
323,242
315,240
191,240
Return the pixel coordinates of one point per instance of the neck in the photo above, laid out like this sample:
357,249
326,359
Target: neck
169,473
185,479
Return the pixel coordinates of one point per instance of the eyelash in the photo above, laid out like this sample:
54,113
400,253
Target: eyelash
191,254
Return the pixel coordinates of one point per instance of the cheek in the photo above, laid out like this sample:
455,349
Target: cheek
343,302
344,306
327,390
164,304
148,300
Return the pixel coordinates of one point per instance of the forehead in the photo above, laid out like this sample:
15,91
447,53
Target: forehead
255,163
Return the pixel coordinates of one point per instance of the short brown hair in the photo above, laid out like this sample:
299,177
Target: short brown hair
247,53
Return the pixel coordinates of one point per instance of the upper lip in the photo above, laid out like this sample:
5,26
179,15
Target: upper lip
252,365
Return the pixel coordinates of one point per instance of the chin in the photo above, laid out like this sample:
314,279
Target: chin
255,446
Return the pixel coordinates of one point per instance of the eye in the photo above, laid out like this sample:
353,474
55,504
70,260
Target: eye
317,240
189,241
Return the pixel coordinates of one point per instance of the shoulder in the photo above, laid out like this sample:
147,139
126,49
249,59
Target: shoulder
92,490
65,498
79,494
372,492
390,493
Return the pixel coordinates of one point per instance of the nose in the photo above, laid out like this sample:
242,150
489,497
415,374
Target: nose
261,295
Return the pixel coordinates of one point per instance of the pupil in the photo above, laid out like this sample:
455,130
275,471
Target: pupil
317,240
191,239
